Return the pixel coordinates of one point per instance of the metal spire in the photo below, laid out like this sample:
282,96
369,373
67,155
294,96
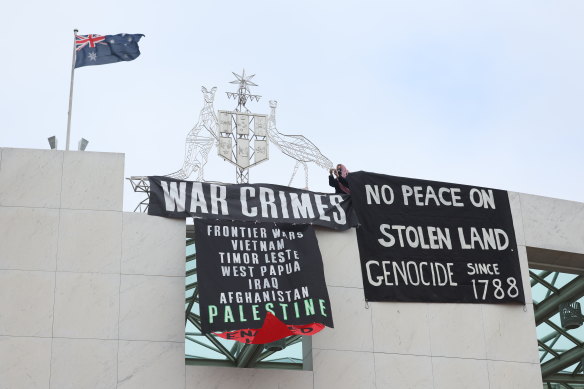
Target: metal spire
243,93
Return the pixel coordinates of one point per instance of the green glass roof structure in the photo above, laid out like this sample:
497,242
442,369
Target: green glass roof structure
561,350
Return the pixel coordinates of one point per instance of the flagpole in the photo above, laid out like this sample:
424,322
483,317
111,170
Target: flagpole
71,91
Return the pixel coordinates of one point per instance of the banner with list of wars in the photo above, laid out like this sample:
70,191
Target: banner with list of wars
246,270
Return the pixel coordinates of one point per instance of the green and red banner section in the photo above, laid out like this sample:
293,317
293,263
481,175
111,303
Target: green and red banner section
272,330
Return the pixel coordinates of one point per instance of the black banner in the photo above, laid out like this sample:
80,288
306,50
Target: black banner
435,242
249,202
248,269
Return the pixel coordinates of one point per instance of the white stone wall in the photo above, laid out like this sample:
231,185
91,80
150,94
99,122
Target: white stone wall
91,297
552,224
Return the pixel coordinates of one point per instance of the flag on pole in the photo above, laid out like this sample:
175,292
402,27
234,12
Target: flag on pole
96,49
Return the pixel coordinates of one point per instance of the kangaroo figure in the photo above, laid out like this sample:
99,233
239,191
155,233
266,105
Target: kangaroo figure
297,147
198,143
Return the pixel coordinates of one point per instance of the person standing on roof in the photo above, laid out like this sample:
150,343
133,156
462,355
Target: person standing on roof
339,181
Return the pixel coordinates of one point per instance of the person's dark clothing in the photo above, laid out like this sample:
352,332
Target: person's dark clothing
334,182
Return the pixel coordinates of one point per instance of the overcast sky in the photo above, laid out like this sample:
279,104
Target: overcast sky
481,93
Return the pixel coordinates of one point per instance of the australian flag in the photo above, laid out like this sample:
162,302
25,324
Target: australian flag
95,49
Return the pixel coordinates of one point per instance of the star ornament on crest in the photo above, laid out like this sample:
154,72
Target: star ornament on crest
243,81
